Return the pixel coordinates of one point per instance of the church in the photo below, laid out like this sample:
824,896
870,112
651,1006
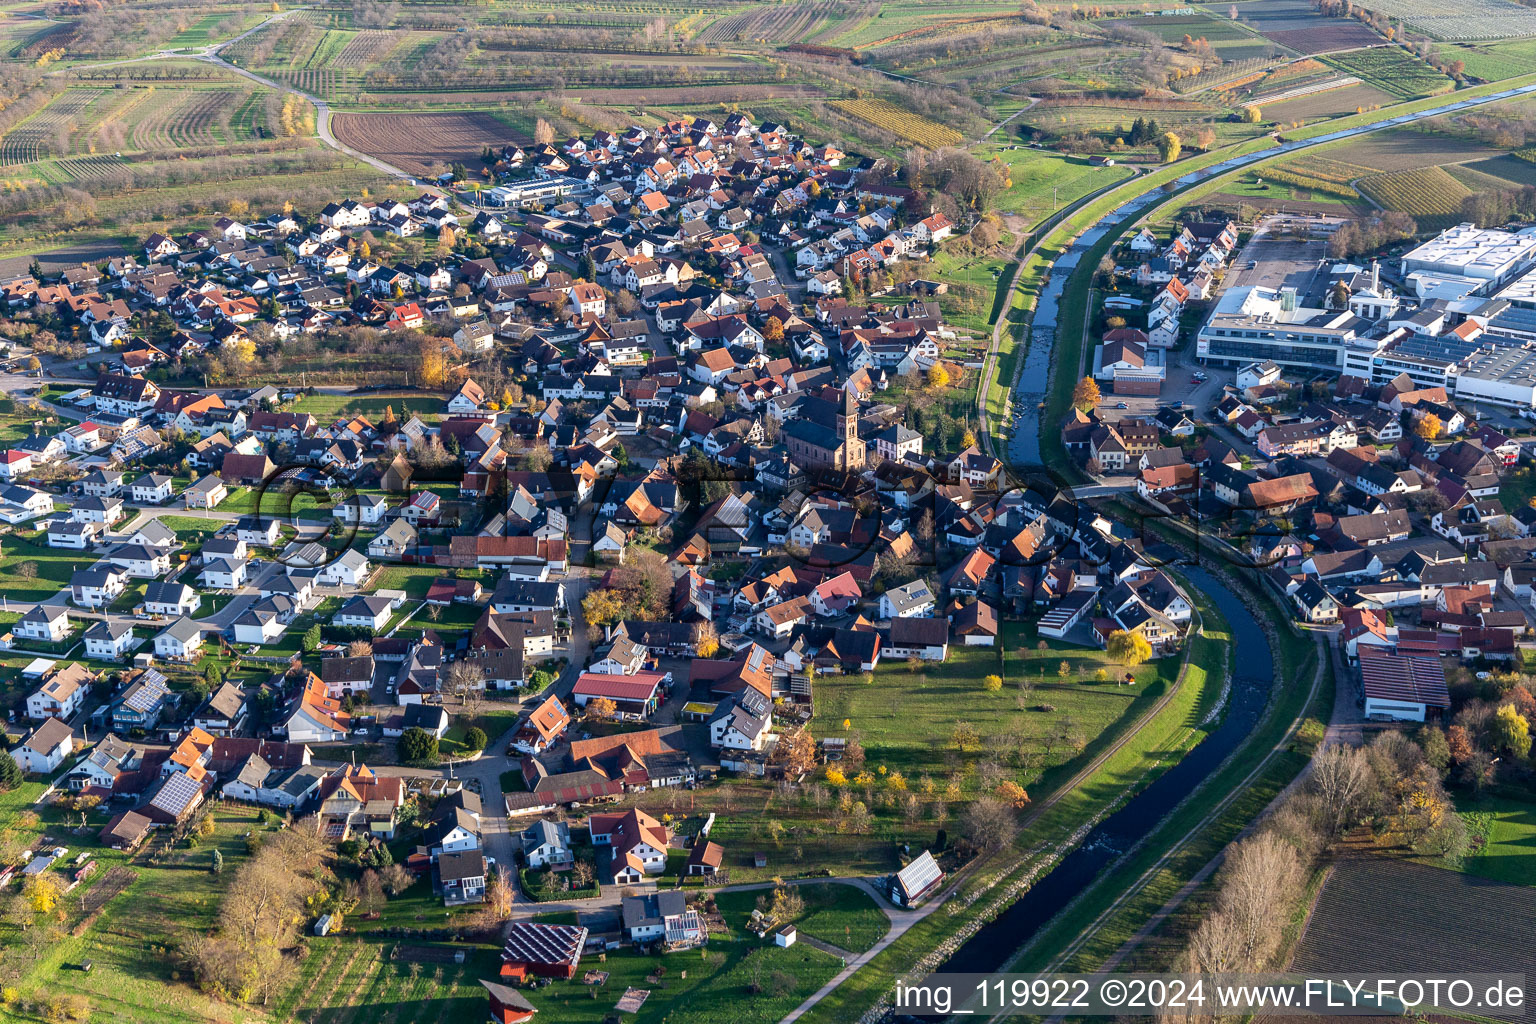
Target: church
826,434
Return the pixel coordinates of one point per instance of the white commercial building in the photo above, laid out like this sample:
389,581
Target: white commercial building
1484,255
1254,324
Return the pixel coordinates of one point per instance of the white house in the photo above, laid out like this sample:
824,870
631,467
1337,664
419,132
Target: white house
224,573
108,640
141,562
97,588
924,638
351,569
180,641
151,489
171,599
49,623
914,600
365,509
367,611
61,695
741,721
45,748
546,842
75,535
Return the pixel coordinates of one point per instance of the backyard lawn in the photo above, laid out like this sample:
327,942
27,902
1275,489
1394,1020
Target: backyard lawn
415,580
31,572
718,986
843,915
331,407
1507,830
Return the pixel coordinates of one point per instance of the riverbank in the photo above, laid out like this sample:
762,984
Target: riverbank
1050,835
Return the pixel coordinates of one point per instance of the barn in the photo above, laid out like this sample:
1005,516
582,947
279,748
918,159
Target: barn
916,881
1402,686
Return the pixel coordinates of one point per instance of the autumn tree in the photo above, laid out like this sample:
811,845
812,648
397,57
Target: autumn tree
796,753
773,330
938,377
431,363
543,133
1341,778
1260,880
708,644
259,916
1252,114
465,680
1086,395
1128,648
1013,794
42,892
602,606
501,892
992,683
601,708
1169,147
1429,426
1510,733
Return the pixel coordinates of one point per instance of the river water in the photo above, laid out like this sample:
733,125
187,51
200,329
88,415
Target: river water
996,942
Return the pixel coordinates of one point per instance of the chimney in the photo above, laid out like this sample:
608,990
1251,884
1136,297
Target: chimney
1375,277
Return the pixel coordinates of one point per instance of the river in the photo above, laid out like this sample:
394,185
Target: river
996,943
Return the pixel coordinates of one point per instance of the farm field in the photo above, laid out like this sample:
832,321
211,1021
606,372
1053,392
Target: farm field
913,127
1509,169
896,23
1494,61
1370,916
1059,117
420,142
1294,25
1330,103
780,23
1406,149
1393,70
1430,195
1472,19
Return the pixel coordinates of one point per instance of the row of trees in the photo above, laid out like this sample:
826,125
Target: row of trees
1368,234
1392,786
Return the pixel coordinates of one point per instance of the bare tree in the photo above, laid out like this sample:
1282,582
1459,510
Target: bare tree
988,822
1260,879
466,680
1341,778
